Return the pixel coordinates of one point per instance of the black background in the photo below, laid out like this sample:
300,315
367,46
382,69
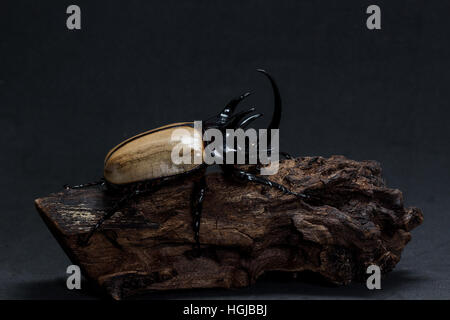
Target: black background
67,97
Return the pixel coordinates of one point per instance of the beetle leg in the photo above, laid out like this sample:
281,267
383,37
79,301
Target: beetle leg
286,155
85,185
137,190
244,176
198,195
119,204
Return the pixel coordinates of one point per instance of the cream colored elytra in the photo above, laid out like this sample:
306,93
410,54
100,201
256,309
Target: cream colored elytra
148,155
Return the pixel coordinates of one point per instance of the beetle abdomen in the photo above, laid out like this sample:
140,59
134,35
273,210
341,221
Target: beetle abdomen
149,155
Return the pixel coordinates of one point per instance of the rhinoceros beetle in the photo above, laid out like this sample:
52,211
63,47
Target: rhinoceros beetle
140,164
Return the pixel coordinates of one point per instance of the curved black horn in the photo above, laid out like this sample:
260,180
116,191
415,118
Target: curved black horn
246,122
276,117
236,118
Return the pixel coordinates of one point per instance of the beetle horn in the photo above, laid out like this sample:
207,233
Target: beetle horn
231,106
226,114
245,122
276,117
238,117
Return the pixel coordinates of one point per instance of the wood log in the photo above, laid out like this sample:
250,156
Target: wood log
247,230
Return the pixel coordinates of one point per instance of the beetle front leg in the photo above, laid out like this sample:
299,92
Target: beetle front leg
198,195
245,176
286,155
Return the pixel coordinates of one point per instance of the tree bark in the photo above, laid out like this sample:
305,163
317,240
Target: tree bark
246,230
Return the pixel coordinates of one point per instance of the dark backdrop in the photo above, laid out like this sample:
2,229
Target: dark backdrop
66,97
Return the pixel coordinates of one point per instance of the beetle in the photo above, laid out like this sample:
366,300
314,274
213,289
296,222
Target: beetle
140,164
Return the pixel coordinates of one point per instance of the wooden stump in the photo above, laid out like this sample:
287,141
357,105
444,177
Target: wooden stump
246,230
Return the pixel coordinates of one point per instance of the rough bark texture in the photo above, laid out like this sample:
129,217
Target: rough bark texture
246,230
